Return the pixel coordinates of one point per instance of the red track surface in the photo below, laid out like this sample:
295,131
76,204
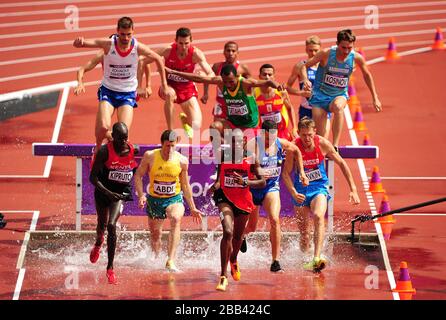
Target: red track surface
409,133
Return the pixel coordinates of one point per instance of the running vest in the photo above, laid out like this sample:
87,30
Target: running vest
238,194
311,75
313,162
333,78
118,171
272,108
165,176
185,65
242,109
120,68
270,165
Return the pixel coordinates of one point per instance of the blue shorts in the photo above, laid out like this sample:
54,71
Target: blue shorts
304,112
156,207
258,195
117,99
322,100
310,193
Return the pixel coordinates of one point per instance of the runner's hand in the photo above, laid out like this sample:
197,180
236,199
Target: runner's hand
377,104
204,98
299,197
79,89
307,85
304,179
78,42
238,178
141,92
149,91
354,198
142,202
114,196
214,187
197,215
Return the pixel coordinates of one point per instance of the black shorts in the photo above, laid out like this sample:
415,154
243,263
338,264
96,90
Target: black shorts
220,197
103,201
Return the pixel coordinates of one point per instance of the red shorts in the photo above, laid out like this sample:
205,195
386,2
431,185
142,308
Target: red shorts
183,93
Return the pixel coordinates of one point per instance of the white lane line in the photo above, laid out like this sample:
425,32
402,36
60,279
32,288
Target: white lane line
18,286
21,258
44,3
177,3
413,178
244,17
212,52
421,214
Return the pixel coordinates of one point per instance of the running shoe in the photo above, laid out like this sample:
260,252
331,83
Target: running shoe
244,246
186,126
111,277
235,271
171,267
94,254
275,266
222,284
316,265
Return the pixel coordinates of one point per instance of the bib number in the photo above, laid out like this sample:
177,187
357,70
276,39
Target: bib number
314,175
164,188
334,81
119,176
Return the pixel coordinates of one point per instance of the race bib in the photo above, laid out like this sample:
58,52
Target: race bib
120,71
231,182
120,176
275,117
238,110
334,81
176,78
272,172
314,175
164,188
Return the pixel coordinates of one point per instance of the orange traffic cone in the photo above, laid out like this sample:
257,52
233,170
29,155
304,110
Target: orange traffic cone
386,222
392,54
366,141
375,185
438,42
353,98
404,284
359,123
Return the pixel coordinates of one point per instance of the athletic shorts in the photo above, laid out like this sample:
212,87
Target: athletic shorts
304,112
258,195
156,207
103,201
183,94
310,193
322,100
117,99
220,197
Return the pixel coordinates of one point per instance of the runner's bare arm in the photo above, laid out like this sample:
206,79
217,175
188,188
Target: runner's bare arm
145,50
244,71
296,75
248,84
320,58
286,176
297,156
81,42
260,181
205,97
90,65
143,168
368,78
197,77
187,190
330,152
144,69
292,111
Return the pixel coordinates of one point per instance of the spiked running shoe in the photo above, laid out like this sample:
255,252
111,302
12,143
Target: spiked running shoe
186,126
222,284
94,254
316,265
171,267
275,267
235,271
111,277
